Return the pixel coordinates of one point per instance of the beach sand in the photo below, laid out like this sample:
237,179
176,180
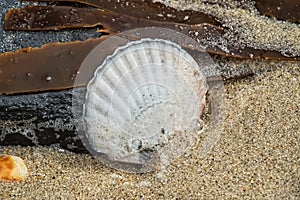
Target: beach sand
256,156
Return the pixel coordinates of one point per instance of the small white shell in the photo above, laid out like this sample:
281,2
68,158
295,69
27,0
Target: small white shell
143,102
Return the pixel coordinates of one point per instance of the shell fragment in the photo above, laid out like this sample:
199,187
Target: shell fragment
12,168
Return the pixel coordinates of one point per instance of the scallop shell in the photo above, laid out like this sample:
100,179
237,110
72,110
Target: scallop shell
143,103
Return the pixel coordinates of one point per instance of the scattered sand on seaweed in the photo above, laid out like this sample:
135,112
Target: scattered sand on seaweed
247,27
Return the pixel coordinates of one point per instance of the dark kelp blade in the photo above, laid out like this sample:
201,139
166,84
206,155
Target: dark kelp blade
288,10
54,66
206,35
52,18
147,9
29,18
61,17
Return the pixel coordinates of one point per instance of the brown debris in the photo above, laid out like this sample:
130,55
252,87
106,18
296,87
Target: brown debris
288,10
53,66
12,168
114,23
61,17
52,18
147,9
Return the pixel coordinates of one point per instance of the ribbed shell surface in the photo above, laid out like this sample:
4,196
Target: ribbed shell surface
144,101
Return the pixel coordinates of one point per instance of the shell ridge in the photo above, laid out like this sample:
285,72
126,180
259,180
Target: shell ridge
102,108
143,69
134,79
150,70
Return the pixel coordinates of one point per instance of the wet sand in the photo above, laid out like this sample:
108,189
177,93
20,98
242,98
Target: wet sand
257,155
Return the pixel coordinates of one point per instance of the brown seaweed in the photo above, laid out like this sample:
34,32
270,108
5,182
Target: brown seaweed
53,18
54,66
147,9
61,17
288,10
112,23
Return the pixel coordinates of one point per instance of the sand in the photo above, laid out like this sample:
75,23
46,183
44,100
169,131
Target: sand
256,156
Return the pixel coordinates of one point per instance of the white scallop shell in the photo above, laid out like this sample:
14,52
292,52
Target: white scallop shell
143,101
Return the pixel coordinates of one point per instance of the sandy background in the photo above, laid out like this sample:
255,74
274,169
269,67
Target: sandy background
257,156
